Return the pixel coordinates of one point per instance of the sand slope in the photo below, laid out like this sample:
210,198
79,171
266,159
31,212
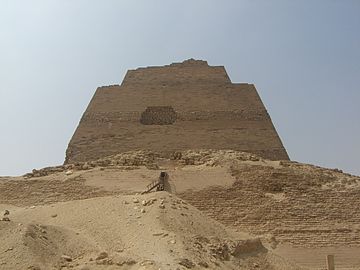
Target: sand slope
300,211
152,231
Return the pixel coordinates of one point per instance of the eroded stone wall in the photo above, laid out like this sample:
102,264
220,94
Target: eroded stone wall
188,105
158,115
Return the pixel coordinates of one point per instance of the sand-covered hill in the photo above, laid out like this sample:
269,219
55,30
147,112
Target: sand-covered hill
300,211
152,231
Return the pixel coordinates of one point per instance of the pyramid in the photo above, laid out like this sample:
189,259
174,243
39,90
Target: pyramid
188,105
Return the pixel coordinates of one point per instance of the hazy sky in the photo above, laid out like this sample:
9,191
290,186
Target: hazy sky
303,57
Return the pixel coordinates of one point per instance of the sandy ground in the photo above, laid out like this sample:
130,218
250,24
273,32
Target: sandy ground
300,212
152,231
180,179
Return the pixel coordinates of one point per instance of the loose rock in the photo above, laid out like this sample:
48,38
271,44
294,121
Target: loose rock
102,256
66,258
187,263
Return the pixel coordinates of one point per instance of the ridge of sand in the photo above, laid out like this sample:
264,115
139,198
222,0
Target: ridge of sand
305,208
152,231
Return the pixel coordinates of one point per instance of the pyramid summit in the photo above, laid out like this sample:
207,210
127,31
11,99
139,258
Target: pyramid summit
188,105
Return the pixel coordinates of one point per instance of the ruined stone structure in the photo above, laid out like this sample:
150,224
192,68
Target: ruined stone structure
188,105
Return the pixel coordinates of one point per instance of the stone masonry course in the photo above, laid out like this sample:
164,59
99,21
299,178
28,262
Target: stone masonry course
188,105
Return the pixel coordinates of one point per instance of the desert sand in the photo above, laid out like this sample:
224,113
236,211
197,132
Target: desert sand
221,209
152,231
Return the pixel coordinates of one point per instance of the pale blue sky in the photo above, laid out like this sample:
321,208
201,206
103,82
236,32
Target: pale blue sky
303,57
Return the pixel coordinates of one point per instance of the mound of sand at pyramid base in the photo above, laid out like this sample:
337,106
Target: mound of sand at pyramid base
152,231
151,160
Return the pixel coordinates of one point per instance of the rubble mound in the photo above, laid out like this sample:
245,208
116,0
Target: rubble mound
282,202
300,204
149,231
150,159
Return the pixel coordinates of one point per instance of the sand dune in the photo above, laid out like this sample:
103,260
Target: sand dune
90,216
152,231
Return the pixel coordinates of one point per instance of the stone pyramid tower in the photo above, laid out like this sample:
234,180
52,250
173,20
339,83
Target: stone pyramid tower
188,105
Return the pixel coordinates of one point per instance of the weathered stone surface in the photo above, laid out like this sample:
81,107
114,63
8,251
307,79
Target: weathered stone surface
158,115
188,105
